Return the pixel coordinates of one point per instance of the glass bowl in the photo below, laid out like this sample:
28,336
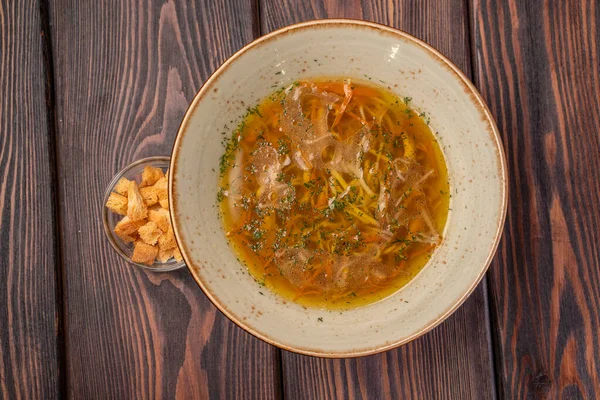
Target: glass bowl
110,219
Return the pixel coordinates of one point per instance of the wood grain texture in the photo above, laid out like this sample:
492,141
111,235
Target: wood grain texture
29,359
538,68
125,74
454,360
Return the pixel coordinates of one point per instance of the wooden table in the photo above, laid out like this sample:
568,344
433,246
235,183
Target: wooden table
86,87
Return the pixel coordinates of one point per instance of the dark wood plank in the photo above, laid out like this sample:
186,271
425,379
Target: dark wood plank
453,361
126,73
538,66
29,359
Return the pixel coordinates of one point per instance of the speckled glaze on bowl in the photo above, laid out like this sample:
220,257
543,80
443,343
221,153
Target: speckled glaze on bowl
463,126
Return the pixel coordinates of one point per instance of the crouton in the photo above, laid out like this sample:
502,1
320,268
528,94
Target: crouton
161,217
144,253
127,227
122,186
136,209
150,232
161,188
164,203
149,195
164,255
150,175
129,238
167,240
117,203
177,254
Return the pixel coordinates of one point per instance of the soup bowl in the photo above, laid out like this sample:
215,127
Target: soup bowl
406,66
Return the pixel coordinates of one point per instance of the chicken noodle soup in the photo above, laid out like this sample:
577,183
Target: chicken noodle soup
333,193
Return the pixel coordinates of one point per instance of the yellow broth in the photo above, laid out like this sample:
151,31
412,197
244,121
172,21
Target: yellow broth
333,193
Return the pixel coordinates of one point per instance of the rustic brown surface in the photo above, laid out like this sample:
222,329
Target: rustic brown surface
29,360
125,74
453,361
538,68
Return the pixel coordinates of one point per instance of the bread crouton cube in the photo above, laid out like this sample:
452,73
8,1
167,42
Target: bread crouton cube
161,217
127,227
144,253
164,203
150,175
161,188
136,209
164,255
177,254
150,232
117,203
122,186
127,238
167,240
149,195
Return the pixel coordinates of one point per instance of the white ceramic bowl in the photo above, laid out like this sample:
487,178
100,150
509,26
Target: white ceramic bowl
464,128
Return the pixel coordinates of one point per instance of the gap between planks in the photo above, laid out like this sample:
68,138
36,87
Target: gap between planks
53,157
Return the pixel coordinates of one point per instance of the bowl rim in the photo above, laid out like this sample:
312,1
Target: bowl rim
110,236
477,101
